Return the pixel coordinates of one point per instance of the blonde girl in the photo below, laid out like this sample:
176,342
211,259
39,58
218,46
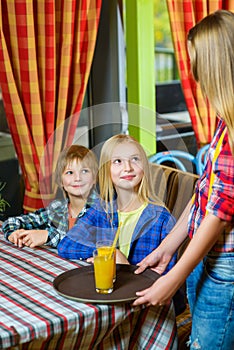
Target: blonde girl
142,191
208,261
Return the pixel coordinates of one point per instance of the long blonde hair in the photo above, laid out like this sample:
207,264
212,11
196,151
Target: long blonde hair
211,48
107,191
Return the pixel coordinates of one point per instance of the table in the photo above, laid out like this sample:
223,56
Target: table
34,316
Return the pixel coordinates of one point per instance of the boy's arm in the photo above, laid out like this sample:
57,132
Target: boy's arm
54,236
27,222
29,238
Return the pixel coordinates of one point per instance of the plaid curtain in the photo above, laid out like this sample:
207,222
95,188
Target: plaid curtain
184,14
46,50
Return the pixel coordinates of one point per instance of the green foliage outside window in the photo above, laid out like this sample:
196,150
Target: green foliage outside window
162,32
3,202
165,64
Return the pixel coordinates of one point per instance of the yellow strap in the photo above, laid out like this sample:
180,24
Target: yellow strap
216,153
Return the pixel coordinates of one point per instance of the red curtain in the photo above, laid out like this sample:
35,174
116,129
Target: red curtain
183,15
46,51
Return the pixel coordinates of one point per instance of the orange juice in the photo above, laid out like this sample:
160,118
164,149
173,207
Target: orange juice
103,271
107,251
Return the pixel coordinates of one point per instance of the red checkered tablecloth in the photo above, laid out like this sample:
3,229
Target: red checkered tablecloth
34,316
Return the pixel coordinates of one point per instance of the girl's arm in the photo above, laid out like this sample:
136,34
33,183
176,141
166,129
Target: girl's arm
80,241
161,256
166,286
70,249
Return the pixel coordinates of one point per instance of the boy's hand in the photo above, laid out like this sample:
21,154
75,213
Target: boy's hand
34,238
29,238
14,238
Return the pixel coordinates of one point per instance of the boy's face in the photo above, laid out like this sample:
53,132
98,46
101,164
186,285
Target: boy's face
77,180
126,166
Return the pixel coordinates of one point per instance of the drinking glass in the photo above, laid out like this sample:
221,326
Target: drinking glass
103,271
104,246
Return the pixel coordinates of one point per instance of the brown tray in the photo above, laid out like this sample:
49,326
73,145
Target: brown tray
78,284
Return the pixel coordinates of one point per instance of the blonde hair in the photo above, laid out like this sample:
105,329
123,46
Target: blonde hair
78,153
107,190
211,48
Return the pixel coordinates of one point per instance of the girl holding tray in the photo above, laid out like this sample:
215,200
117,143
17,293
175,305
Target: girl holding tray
208,261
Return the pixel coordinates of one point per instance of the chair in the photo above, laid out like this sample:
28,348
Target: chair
175,188
172,186
175,156
201,158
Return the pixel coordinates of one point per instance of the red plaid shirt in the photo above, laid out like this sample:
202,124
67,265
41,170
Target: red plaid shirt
221,201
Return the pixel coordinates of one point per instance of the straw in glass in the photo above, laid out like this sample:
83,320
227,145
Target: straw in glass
115,239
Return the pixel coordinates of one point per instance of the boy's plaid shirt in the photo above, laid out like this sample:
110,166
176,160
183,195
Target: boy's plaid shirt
53,218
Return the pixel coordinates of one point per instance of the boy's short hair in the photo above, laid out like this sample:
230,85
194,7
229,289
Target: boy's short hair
78,153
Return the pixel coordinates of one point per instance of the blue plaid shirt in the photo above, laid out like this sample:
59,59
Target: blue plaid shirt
152,227
53,218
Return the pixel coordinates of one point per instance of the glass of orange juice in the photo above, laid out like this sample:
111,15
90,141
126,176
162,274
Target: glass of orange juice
104,247
103,271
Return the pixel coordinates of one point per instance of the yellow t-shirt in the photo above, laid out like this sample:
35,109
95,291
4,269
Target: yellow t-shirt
129,220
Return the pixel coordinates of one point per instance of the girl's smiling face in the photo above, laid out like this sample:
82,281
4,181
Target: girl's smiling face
77,179
126,166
